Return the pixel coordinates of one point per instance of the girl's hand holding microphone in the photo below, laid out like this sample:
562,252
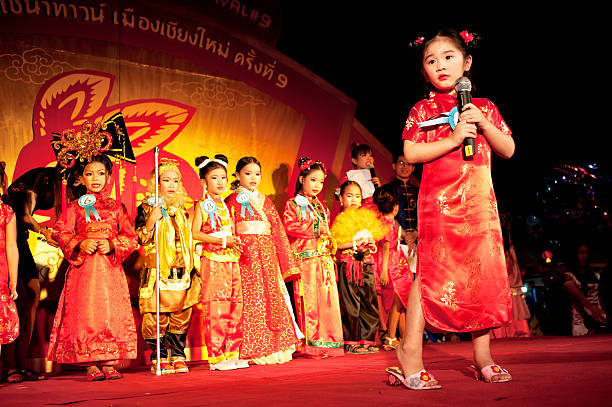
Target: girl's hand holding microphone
463,129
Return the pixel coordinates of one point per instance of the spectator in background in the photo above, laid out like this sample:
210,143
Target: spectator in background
582,285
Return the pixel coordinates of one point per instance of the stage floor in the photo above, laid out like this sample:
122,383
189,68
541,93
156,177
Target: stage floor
547,371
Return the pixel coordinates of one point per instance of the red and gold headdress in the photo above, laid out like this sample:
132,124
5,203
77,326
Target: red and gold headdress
109,137
71,146
309,163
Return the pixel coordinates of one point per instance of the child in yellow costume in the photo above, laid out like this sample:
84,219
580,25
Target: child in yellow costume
179,282
356,230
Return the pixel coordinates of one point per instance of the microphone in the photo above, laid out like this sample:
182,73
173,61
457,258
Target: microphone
463,87
372,172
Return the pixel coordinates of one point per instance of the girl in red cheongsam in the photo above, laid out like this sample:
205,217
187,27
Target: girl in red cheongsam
461,283
9,259
306,221
213,225
94,324
270,333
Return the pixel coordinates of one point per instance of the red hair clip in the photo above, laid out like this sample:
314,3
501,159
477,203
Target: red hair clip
420,40
467,37
307,164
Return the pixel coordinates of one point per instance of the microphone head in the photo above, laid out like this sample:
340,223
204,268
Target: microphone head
463,84
370,165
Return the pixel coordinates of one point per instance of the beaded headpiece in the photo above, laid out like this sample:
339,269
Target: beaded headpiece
109,137
169,164
309,163
71,146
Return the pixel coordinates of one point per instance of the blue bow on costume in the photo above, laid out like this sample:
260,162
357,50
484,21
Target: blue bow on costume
451,118
302,202
209,207
87,202
160,201
243,198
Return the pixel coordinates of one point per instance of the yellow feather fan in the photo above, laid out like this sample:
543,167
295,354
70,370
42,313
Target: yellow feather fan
352,222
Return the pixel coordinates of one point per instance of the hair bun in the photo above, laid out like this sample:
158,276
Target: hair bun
222,158
200,160
302,160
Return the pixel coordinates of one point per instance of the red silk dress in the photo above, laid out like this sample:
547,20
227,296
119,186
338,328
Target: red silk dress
221,288
9,319
94,320
316,299
400,275
269,333
460,257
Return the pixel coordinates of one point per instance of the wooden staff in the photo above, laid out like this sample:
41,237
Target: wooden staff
157,336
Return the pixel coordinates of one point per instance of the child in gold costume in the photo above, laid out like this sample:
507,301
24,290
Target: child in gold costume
179,282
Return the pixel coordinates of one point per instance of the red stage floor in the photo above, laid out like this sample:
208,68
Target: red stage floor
548,371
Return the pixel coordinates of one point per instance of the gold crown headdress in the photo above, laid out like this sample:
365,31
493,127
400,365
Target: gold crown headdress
166,164
71,146
109,137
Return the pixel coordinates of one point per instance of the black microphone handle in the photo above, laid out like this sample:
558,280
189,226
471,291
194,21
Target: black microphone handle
469,144
373,175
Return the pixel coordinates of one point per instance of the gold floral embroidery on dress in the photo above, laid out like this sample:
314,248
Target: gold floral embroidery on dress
504,297
494,240
474,268
465,189
442,204
473,324
438,249
410,123
448,297
465,228
492,200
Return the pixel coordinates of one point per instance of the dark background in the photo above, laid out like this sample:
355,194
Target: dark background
546,70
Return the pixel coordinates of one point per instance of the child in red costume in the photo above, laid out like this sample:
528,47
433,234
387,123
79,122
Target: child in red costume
461,283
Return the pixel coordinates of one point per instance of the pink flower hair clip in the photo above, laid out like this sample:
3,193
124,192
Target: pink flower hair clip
417,43
467,36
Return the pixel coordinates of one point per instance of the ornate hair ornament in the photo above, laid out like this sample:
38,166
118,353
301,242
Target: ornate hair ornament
92,140
208,161
309,163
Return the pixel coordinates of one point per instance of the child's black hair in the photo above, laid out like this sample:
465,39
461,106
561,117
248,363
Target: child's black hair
100,158
385,199
357,149
243,162
345,184
316,165
211,165
465,42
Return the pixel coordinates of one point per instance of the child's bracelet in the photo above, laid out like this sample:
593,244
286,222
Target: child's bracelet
354,245
224,242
